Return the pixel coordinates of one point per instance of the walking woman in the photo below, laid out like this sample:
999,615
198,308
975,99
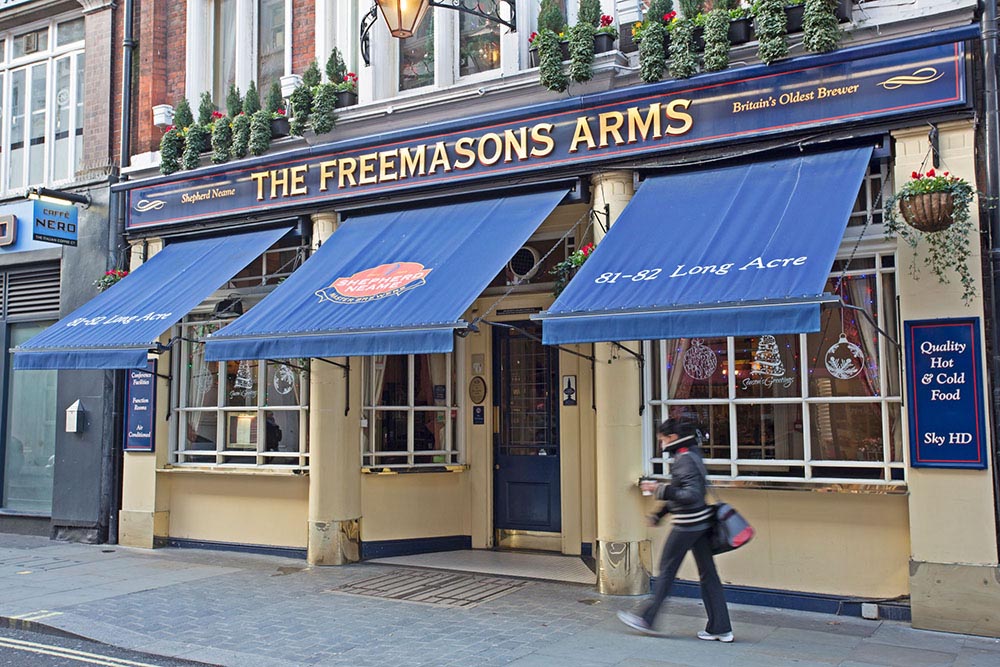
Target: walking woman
692,522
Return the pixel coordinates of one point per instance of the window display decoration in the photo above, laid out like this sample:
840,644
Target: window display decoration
244,380
700,361
844,359
767,358
284,380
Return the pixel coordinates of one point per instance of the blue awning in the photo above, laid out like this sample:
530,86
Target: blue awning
388,283
741,250
120,326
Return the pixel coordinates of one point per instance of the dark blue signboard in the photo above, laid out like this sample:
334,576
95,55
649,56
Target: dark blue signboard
140,409
54,223
817,91
945,387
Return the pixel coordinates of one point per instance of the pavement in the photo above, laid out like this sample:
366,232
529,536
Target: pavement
244,610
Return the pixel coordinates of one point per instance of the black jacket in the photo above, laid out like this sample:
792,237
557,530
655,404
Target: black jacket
685,494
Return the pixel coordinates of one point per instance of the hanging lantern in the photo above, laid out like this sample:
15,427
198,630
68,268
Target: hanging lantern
402,16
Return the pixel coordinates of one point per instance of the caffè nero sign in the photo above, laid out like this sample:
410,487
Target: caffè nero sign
593,129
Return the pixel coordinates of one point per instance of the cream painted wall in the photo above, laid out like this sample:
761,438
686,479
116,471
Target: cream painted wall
939,496
240,508
407,506
835,543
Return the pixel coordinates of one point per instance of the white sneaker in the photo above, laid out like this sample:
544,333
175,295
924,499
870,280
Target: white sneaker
725,638
635,622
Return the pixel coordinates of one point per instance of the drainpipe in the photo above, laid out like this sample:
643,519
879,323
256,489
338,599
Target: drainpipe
114,380
991,218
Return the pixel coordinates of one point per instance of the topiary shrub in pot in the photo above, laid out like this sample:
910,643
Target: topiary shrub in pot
683,61
716,40
821,27
771,25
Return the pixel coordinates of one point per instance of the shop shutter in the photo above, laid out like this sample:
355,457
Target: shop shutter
33,291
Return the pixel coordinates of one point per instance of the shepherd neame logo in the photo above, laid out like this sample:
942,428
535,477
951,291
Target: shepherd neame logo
375,283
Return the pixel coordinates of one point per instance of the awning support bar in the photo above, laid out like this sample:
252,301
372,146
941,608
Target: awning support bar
347,379
871,320
642,368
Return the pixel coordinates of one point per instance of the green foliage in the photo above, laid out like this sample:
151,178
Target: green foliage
691,8
657,9
589,11
311,77
241,136
234,101
274,100
205,108
196,141
820,27
566,269
581,51
335,67
550,17
727,5
717,40
947,250
260,132
251,103
550,70
222,141
183,118
771,25
683,62
171,149
652,57
323,116
301,102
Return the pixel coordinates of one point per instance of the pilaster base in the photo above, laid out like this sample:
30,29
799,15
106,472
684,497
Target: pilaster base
334,542
955,597
623,567
140,529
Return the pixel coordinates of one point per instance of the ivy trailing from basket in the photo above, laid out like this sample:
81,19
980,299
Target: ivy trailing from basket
771,25
260,132
716,40
652,57
683,62
222,140
820,26
581,51
241,136
550,70
196,137
323,116
171,149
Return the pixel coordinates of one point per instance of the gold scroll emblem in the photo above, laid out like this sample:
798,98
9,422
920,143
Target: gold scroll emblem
918,78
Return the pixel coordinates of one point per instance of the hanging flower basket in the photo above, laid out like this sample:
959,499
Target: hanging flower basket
928,212
109,279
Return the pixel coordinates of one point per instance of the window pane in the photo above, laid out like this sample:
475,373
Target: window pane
890,322
3,50
200,429
285,382
843,354
769,431
846,431
36,151
478,42
767,366
241,431
31,434
224,57
17,130
416,56
31,42
78,124
202,387
63,131
281,431
270,44
696,368
68,32
389,381
241,382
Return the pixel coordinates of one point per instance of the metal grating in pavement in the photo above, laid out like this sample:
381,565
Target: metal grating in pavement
443,589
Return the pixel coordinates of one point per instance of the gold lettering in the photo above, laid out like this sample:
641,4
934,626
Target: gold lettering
463,148
673,114
277,180
326,169
582,133
440,158
610,123
651,122
299,180
541,134
348,166
516,143
368,169
259,177
497,148
412,163
387,165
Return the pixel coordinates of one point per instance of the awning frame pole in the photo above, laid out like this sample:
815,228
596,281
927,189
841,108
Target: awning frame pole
641,359
346,367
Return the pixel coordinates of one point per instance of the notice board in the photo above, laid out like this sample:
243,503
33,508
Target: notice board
140,408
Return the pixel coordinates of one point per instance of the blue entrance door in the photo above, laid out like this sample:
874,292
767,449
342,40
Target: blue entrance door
526,445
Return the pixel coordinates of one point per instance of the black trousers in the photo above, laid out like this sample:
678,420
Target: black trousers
679,542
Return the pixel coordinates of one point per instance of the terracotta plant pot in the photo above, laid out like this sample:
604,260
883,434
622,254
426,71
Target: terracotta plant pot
279,127
345,98
930,212
603,42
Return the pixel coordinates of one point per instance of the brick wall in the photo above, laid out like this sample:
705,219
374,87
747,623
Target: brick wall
304,35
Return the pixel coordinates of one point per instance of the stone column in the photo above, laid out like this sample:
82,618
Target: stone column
622,547
334,451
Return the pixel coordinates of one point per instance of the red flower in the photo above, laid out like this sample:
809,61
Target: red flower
280,112
217,114
351,77
669,16
606,20
914,175
170,128
946,173
531,37
587,249
930,173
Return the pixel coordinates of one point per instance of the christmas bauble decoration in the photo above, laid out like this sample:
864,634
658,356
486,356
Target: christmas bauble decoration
844,359
700,361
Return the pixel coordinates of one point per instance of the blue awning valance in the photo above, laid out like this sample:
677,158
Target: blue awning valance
740,250
119,327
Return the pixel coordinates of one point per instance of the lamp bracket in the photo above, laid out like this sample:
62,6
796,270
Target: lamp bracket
491,12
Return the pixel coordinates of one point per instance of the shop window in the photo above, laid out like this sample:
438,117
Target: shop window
41,91
822,406
241,413
410,411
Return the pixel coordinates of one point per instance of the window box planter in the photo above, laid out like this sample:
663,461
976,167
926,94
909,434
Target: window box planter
843,11
698,43
928,212
279,127
740,31
345,98
533,57
603,42
795,14
564,49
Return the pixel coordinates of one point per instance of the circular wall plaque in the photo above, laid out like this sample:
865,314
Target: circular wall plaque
477,390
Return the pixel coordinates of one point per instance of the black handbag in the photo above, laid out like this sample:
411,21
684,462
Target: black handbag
729,529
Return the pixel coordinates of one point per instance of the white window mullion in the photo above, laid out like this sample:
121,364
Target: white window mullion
733,431
806,412
246,44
